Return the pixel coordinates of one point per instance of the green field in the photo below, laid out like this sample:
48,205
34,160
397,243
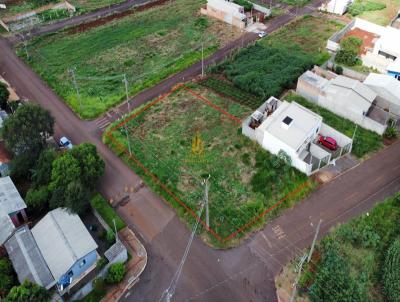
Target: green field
245,179
308,34
380,16
353,263
147,46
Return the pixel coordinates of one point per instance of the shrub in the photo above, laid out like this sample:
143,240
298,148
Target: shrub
4,94
391,272
339,69
246,4
7,280
349,49
358,7
110,237
391,132
116,273
99,287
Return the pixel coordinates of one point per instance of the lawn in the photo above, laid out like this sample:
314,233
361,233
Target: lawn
352,261
308,34
182,139
365,141
147,46
380,16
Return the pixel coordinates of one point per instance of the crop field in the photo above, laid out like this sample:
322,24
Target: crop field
180,139
146,46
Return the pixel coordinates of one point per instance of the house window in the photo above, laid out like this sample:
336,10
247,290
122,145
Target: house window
316,131
70,274
83,262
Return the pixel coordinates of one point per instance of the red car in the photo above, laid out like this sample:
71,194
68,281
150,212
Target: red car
328,142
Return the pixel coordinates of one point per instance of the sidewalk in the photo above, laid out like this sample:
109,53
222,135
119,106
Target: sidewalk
135,266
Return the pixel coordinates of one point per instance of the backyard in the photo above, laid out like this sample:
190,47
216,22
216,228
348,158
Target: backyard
181,139
146,46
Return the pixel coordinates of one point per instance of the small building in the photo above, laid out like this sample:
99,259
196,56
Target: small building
12,209
226,11
393,69
59,246
345,97
388,90
338,7
381,45
289,127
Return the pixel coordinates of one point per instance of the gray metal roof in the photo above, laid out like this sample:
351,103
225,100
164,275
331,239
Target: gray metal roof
314,79
115,250
6,228
62,239
10,200
27,260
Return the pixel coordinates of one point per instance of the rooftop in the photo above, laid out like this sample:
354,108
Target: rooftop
27,260
294,133
10,200
63,239
314,79
386,86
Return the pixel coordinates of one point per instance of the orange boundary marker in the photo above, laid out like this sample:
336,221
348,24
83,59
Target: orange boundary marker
122,148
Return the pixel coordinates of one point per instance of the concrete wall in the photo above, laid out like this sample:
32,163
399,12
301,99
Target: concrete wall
341,139
82,265
308,91
370,124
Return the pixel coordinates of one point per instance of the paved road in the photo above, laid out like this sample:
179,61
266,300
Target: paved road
241,274
99,13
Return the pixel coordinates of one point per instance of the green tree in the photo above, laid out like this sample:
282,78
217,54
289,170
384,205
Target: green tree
333,282
4,95
65,169
38,199
77,198
91,164
7,277
41,174
391,272
349,49
27,292
116,273
25,132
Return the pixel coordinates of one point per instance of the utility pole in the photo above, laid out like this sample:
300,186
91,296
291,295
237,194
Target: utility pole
170,291
126,92
72,72
302,260
315,239
202,59
116,234
206,188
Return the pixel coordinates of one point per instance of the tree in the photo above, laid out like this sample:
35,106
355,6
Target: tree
7,279
4,95
38,199
41,174
25,132
91,164
65,169
349,49
77,198
116,273
27,292
391,272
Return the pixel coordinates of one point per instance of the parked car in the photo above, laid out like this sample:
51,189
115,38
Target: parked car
328,142
262,34
65,143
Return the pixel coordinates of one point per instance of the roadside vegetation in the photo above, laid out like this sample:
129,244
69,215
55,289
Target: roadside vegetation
109,215
365,141
181,140
359,260
146,46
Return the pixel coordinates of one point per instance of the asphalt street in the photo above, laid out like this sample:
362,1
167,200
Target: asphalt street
241,274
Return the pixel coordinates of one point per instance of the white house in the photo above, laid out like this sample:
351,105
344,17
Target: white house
388,90
383,43
345,97
226,11
289,127
338,7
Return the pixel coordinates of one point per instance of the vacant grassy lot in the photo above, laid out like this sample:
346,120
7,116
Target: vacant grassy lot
181,139
147,46
358,260
308,34
365,141
380,16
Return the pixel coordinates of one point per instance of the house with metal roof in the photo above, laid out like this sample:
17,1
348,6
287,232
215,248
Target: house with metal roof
59,250
388,90
345,97
12,209
279,126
